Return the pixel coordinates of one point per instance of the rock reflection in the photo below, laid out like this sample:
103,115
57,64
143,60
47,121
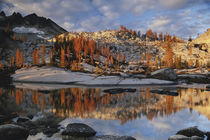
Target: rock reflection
94,103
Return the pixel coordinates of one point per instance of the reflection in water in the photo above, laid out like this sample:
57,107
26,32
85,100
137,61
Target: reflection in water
94,103
142,114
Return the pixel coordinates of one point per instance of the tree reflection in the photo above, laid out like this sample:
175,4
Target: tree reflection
93,103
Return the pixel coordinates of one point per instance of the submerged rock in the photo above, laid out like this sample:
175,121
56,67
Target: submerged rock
79,130
109,137
50,131
13,132
8,117
48,125
48,121
191,131
22,119
164,74
208,135
182,137
194,78
165,92
119,90
178,137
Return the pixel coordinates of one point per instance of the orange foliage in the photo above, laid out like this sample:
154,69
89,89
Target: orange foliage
63,97
43,54
1,66
1,91
62,61
17,60
37,57
148,58
34,57
169,54
149,33
43,101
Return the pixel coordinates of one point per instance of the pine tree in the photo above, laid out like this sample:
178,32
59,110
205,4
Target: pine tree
21,63
43,54
150,34
190,49
14,37
161,36
156,62
142,60
37,57
17,59
8,29
34,57
197,63
25,38
169,53
12,61
62,58
68,53
20,37
156,38
148,58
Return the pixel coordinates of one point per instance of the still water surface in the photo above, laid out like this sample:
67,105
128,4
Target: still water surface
142,113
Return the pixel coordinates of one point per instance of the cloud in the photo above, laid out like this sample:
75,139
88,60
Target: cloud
173,3
68,25
159,24
173,16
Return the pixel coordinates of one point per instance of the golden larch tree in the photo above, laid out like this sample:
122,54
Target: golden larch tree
62,58
17,58
43,54
169,54
37,57
34,57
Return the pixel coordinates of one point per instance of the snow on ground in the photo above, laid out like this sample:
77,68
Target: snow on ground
23,29
53,75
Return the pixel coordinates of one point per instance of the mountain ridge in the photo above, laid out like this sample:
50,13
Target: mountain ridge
31,20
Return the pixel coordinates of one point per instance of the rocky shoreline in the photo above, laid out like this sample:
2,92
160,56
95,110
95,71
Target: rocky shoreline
23,127
53,75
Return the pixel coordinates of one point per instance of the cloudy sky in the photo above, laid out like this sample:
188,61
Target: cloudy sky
181,17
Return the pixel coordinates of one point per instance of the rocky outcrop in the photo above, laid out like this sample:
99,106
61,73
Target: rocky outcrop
22,119
79,130
6,117
194,78
109,137
164,74
204,38
165,92
2,14
13,132
47,124
191,131
182,137
119,90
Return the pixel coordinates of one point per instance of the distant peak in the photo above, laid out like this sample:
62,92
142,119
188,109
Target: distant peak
32,15
2,14
17,14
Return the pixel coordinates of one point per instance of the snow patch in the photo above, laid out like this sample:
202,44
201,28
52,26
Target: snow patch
23,29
